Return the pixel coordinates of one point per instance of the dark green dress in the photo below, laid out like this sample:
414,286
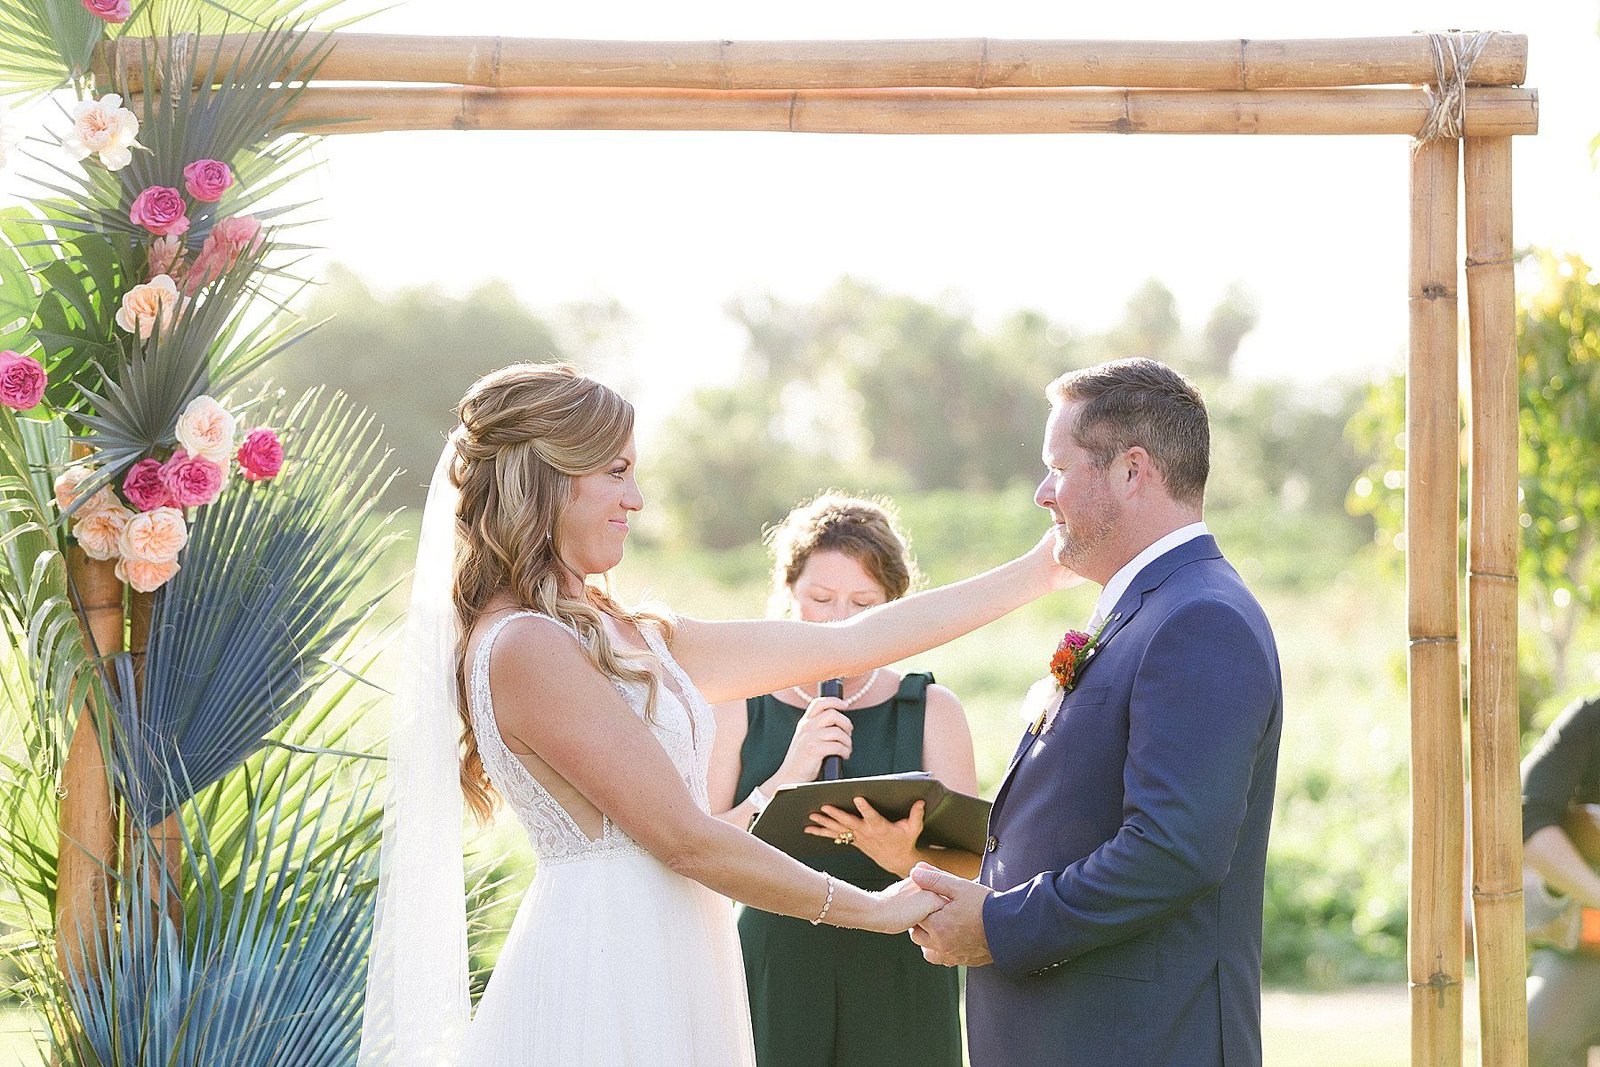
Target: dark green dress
821,996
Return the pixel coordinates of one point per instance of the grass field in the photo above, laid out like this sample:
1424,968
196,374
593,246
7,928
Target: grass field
1363,1027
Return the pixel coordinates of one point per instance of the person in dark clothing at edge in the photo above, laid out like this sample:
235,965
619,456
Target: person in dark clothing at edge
1564,992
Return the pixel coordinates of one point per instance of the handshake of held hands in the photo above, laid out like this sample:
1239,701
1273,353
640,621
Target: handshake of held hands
944,914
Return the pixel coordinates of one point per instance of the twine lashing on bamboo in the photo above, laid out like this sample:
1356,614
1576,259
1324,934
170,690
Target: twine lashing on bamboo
1453,57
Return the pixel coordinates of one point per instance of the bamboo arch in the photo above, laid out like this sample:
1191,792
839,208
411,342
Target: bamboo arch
1352,86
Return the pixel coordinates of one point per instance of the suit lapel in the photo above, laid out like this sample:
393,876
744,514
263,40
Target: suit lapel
1147,580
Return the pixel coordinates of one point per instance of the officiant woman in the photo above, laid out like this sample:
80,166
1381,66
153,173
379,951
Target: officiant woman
825,996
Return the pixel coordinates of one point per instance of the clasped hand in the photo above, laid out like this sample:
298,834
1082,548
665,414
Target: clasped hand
953,935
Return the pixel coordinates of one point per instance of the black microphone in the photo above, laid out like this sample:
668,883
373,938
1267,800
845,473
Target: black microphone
832,766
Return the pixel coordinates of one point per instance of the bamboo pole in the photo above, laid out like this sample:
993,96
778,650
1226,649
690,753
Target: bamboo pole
88,823
1433,420
1492,604
972,63
355,109
163,879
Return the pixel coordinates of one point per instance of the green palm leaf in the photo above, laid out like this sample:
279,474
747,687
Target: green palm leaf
44,44
246,631
268,968
35,611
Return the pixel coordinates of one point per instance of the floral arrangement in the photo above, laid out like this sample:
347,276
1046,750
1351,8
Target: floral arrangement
142,286
142,524
144,529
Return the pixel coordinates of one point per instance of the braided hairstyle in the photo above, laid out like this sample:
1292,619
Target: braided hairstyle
526,432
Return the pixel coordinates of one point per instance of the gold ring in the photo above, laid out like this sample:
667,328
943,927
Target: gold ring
846,838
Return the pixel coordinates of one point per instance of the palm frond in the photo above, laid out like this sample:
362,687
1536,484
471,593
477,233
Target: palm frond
44,44
240,637
227,16
268,968
35,610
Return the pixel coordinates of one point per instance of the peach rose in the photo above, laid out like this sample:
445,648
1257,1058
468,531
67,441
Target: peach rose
154,536
144,305
145,576
99,533
71,481
206,429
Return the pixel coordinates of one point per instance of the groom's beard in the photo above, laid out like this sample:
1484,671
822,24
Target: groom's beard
1079,541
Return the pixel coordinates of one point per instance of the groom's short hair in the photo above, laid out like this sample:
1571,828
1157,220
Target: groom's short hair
1141,402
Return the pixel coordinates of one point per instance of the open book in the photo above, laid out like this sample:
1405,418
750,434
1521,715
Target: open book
951,819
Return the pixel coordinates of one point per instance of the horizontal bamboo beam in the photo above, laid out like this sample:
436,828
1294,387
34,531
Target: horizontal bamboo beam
371,109
972,63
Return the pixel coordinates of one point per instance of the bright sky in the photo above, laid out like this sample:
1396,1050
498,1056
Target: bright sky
672,225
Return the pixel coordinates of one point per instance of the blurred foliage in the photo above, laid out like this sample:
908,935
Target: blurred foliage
409,357
1558,346
880,392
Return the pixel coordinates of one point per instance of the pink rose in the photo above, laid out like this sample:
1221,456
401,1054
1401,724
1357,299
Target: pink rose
161,210
207,179
22,381
191,481
229,239
261,455
145,576
144,486
166,256
109,10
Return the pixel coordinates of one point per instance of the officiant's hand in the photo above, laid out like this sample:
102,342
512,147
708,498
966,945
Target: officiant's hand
824,730
891,845
952,936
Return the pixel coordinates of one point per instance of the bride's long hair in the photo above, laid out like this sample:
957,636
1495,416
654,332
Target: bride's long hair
526,431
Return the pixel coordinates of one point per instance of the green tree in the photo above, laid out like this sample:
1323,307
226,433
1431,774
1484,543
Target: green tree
1558,362
409,356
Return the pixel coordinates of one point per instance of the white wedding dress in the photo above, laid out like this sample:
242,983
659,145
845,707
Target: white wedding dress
614,960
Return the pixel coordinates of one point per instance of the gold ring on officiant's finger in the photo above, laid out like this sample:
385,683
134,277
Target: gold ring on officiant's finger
846,838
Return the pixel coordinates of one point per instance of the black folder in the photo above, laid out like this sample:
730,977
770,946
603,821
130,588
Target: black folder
950,820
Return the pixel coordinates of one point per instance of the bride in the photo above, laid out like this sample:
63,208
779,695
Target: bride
527,682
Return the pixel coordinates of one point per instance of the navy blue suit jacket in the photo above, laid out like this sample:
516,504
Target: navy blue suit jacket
1129,841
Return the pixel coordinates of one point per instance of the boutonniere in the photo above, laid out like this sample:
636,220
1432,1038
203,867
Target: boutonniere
1074,651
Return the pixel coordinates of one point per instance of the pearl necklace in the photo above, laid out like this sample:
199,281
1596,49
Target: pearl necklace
848,701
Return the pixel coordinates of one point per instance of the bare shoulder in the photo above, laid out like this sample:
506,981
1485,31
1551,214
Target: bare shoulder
536,663
944,707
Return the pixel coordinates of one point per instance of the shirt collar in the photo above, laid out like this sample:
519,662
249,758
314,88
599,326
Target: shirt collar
1123,578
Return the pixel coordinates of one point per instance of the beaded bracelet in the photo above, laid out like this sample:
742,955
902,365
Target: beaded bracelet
826,904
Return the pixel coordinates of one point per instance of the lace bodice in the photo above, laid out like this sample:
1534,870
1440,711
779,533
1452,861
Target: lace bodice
684,727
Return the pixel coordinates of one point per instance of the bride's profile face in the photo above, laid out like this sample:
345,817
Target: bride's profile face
591,529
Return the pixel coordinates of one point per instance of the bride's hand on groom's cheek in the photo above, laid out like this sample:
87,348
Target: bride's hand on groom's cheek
952,936
1056,575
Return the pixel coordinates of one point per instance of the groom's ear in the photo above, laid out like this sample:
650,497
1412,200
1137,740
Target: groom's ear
1137,469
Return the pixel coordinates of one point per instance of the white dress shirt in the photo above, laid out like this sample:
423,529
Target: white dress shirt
1130,570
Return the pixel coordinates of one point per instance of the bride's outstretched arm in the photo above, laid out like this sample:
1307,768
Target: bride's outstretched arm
550,699
745,658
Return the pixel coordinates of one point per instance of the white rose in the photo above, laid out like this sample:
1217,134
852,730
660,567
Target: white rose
105,128
206,428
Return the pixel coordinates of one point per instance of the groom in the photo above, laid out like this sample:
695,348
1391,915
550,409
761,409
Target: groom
1117,917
